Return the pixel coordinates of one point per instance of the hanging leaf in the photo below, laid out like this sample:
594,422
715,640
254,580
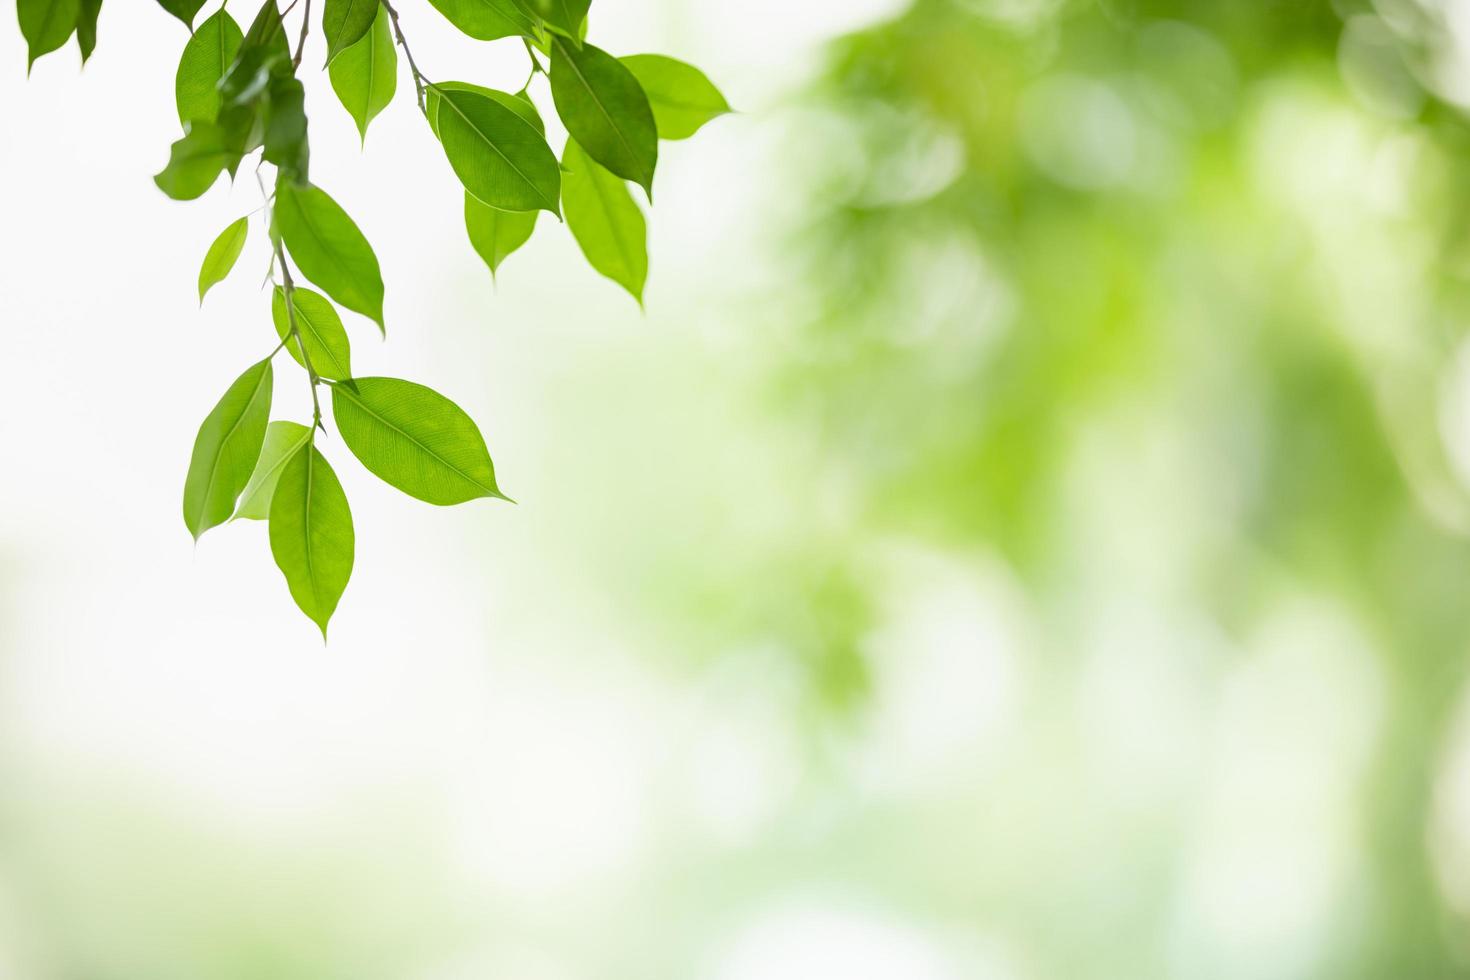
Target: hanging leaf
605,110
329,248
184,10
262,50
681,96
282,440
365,75
566,17
196,160
495,233
207,55
605,220
321,332
87,27
285,128
520,104
345,22
226,448
311,534
46,25
223,252
415,439
486,20
498,156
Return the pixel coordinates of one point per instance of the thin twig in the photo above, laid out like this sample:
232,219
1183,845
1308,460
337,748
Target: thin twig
301,41
419,82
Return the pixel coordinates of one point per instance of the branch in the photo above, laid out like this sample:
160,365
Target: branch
419,82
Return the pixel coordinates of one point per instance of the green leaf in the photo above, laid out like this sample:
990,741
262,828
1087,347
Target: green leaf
264,47
223,252
344,22
486,20
282,440
365,75
605,220
184,10
520,104
605,110
87,27
226,448
498,156
207,56
329,248
46,25
415,439
321,331
681,96
311,534
495,233
285,127
196,160
566,17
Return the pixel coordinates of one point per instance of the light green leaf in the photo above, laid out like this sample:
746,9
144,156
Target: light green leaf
321,332
311,534
46,25
498,156
605,110
486,20
282,440
196,160
329,248
681,96
365,75
495,233
605,220
87,27
184,10
415,439
206,58
223,252
226,448
520,104
344,22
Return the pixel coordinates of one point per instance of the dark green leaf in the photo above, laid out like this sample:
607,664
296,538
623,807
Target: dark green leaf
329,248
184,10
605,110
415,439
263,49
282,440
46,25
495,233
207,55
226,448
365,75
344,22
87,27
285,127
566,17
681,96
223,252
520,104
486,20
311,534
196,160
498,156
605,220
320,328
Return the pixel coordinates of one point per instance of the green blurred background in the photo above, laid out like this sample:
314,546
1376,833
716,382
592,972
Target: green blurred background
1026,539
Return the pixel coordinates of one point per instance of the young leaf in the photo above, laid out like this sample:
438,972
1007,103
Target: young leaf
195,161
566,17
681,96
365,75
311,534
285,128
223,252
344,22
282,440
321,331
226,448
207,55
520,104
415,439
46,25
329,248
184,10
87,27
498,156
495,233
605,110
605,220
486,20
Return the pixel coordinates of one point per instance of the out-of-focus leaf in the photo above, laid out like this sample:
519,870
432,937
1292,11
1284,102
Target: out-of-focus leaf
46,25
285,128
566,17
415,439
184,10
365,75
226,448
87,27
605,220
498,156
282,440
207,56
196,160
321,332
311,534
681,96
223,252
329,249
495,233
605,110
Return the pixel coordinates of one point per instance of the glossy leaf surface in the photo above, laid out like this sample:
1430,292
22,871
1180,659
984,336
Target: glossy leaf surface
605,110
329,248
365,75
282,440
311,534
320,328
498,156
